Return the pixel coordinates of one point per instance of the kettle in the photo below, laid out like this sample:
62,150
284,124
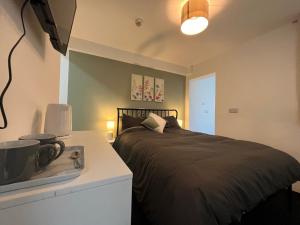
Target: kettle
58,120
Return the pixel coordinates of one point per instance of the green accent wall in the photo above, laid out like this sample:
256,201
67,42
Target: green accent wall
97,86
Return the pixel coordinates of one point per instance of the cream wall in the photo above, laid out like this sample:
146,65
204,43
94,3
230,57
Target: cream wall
35,71
262,79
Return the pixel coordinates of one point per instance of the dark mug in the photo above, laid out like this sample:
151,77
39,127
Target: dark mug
50,149
17,160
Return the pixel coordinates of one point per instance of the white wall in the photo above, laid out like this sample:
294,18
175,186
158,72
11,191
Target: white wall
262,79
35,71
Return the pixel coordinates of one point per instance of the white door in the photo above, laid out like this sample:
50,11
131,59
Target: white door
202,104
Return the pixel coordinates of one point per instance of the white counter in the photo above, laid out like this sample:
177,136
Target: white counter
103,167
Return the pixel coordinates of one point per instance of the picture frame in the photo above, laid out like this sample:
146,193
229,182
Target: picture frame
159,90
148,95
136,87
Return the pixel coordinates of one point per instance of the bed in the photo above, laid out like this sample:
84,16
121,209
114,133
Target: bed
187,178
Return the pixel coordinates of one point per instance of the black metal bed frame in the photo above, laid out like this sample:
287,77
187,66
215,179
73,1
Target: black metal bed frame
143,113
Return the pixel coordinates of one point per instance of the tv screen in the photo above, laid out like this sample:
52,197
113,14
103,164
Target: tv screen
56,17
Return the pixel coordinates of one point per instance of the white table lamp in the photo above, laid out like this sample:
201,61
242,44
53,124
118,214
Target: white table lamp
110,126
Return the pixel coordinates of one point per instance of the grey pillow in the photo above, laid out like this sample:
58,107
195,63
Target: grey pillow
171,122
150,123
129,121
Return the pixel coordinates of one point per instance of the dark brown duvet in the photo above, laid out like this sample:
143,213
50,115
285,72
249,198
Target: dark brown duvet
186,178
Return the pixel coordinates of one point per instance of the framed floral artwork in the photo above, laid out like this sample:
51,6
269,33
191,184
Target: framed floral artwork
159,90
148,89
136,87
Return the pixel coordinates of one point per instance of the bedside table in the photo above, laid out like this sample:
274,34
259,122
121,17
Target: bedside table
111,141
100,195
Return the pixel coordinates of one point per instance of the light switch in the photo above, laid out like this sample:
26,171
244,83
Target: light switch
233,110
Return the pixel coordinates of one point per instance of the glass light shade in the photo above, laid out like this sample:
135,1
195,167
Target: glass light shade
194,25
110,124
180,122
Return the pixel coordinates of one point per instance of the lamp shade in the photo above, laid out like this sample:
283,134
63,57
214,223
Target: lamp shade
194,17
58,120
110,125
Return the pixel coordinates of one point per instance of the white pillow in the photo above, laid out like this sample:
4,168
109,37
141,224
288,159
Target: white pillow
160,121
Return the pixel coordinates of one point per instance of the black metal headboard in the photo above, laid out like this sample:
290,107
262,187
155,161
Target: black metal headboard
143,113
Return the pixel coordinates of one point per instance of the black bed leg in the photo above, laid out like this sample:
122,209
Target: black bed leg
290,203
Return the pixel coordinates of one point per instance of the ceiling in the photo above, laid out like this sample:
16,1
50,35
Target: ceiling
232,22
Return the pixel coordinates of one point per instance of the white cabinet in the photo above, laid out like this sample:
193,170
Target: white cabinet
100,196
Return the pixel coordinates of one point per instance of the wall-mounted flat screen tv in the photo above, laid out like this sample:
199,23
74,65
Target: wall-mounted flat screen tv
56,18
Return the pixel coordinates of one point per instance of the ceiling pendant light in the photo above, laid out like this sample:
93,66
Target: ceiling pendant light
194,17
